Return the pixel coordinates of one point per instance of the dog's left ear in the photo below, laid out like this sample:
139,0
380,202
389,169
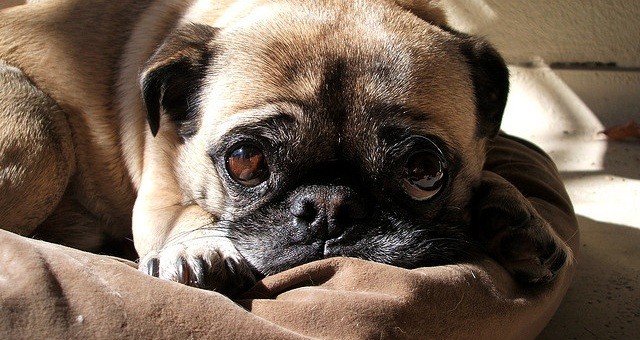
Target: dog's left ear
490,78
430,11
489,72
172,77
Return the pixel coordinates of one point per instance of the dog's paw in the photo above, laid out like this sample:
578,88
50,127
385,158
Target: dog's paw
211,263
515,234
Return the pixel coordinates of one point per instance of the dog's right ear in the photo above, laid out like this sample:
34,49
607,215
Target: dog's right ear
172,77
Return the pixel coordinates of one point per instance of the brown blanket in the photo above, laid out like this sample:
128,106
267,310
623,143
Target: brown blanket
49,291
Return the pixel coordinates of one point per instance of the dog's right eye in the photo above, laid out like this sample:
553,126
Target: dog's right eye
247,165
424,175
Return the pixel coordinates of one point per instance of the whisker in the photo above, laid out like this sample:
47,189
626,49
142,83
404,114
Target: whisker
221,226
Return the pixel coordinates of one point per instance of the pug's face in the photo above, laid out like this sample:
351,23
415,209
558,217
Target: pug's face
312,133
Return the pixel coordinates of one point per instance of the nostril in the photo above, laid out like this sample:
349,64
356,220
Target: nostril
349,210
305,209
328,211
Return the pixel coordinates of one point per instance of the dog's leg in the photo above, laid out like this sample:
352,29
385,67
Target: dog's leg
36,153
183,243
513,232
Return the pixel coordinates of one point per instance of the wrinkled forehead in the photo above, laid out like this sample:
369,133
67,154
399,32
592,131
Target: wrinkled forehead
341,62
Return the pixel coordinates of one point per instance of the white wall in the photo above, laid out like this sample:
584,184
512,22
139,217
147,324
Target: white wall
541,34
554,30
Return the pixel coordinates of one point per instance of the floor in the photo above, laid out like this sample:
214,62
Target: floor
562,111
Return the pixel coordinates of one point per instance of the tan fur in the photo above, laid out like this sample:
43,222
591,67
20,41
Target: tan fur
35,135
87,57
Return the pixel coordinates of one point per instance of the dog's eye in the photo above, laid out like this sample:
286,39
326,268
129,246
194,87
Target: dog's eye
247,165
424,175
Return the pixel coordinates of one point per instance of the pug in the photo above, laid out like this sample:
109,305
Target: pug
237,139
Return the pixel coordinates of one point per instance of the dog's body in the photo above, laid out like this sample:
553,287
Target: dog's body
240,138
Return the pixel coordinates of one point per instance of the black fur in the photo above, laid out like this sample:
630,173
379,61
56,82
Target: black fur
490,78
324,202
173,77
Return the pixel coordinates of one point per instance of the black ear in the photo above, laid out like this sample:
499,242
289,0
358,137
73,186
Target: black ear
490,82
428,10
173,76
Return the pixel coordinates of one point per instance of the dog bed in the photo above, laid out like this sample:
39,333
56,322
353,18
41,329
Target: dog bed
50,291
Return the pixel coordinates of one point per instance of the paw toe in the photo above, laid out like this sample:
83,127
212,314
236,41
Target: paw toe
532,260
150,266
207,266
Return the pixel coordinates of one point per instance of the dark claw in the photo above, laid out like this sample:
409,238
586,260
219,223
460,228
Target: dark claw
153,267
557,262
239,280
199,273
183,271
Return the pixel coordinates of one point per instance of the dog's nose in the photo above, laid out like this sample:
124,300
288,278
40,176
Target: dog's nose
327,209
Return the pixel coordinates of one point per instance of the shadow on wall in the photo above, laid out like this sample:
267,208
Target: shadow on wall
603,299
565,31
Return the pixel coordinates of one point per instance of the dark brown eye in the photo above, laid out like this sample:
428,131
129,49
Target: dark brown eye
424,175
247,165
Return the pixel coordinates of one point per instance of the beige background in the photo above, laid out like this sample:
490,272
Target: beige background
555,30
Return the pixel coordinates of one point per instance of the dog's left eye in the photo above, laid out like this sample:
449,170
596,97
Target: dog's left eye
424,175
247,165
